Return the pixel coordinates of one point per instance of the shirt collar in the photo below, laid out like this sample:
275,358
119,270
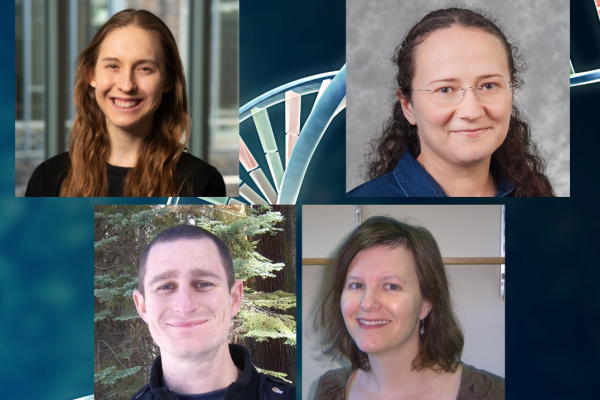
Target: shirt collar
240,357
416,182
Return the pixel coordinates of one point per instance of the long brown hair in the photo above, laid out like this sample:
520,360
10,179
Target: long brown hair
155,172
440,347
518,156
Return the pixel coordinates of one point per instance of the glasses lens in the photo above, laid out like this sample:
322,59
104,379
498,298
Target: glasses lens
445,94
451,94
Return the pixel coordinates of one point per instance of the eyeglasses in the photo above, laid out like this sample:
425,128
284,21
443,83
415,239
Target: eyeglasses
445,94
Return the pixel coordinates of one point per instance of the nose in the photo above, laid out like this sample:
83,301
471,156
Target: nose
470,106
369,301
185,302
126,81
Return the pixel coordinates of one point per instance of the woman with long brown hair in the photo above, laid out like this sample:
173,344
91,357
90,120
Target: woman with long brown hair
456,129
389,313
132,125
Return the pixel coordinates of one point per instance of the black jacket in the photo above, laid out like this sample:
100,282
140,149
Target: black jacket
252,386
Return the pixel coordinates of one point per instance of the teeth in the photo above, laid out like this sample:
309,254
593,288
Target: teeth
362,321
125,104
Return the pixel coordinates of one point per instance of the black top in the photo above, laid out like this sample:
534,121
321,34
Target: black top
199,178
251,386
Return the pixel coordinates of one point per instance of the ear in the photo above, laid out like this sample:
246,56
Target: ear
236,297
425,309
406,108
140,304
92,78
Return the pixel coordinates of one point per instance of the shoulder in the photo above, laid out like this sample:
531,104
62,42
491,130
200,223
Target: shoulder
275,388
143,394
199,177
47,177
332,384
477,384
382,186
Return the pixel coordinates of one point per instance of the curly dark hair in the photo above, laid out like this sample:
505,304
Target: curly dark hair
440,348
518,156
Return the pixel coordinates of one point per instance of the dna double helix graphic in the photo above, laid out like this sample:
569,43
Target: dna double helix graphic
300,144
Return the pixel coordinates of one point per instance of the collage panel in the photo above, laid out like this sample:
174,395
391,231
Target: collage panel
458,101
128,98
390,288
194,299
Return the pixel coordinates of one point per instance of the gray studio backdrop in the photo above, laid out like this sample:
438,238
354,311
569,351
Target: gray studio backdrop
374,28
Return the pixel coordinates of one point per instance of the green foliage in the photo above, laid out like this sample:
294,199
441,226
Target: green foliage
279,375
125,349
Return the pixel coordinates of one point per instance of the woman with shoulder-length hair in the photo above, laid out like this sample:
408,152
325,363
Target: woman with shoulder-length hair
456,129
132,125
389,313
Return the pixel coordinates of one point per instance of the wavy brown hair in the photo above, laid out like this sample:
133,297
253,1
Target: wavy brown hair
518,156
440,347
155,172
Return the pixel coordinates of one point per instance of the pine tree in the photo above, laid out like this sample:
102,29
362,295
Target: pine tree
124,348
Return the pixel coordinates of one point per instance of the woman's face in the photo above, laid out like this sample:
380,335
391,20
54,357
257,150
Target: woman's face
381,301
470,131
129,79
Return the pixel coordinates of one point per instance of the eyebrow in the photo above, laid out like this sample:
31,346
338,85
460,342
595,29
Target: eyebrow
195,273
456,79
137,62
383,278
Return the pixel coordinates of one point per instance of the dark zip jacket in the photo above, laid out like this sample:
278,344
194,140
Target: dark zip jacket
252,386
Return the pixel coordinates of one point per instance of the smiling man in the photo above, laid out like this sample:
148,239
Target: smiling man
188,296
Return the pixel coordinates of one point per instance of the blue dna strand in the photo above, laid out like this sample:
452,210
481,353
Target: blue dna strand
584,78
300,144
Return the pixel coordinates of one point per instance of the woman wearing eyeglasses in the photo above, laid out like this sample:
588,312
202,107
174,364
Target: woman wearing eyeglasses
456,130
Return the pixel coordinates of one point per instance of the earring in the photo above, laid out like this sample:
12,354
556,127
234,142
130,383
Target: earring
422,330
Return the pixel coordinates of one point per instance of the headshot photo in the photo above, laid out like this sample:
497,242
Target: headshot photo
450,99
138,99
403,302
195,302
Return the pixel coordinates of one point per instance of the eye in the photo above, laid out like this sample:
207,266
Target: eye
489,86
445,90
111,66
356,286
203,285
392,286
168,286
146,69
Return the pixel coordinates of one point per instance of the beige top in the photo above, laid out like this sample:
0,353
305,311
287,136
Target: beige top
475,384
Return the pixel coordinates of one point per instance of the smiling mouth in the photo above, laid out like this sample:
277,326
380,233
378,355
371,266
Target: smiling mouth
379,322
126,104
189,324
471,132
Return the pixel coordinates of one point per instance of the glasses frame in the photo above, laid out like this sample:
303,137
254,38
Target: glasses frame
476,90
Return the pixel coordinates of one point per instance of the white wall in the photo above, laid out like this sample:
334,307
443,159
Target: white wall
461,231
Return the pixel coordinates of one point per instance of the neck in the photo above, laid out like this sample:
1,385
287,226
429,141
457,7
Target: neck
126,143
392,372
472,180
195,376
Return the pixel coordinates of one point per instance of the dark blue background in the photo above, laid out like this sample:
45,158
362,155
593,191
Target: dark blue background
552,247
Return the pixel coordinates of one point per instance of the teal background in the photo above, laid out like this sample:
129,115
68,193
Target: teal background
552,250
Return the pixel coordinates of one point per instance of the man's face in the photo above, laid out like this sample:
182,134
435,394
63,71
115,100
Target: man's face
187,303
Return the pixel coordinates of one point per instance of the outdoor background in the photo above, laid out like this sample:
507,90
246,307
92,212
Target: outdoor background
374,29
262,243
50,35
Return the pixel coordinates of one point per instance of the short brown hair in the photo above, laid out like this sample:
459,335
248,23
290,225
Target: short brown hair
183,232
442,344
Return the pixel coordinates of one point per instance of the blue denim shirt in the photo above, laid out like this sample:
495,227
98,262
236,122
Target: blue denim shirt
409,179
